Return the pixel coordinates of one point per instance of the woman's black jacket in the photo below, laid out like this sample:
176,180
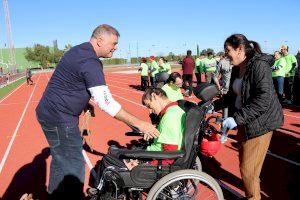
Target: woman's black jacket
261,111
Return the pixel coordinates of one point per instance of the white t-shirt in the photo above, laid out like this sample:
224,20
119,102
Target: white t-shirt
237,88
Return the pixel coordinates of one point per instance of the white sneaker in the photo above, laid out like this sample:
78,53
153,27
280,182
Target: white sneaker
223,138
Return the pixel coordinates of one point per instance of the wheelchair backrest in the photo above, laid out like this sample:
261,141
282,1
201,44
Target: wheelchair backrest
194,117
206,91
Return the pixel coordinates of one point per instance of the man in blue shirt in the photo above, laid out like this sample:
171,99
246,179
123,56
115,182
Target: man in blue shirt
78,77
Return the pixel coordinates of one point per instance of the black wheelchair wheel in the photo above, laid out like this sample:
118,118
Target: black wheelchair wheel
186,185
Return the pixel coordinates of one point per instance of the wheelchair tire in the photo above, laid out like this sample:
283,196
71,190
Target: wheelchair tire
180,185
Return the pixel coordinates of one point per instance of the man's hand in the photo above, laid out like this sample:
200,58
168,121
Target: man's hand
149,130
26,197
229,123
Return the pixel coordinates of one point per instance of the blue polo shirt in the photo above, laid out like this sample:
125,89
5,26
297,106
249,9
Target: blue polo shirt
67,92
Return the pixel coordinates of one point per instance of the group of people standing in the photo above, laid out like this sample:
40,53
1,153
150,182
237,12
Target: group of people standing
251,98
284,72
151,69
214,70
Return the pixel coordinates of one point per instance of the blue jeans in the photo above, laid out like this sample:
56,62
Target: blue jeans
279,84
66,149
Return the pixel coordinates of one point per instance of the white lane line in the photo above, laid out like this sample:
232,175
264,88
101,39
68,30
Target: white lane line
129,100
125,89
274,155
10,104
232,191
16,130
292,116
12,92
89,163
282,158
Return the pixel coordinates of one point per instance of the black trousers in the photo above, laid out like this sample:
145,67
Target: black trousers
198,77
288,87
28,79
144,82
188,83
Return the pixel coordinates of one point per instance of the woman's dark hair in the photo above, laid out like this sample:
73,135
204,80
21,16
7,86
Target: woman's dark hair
173,76
163,58
251,47
143,60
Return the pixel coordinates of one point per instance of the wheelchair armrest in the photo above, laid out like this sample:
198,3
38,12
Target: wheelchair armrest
156,155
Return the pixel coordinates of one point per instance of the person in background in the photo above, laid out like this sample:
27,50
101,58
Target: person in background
28,77
144,74
188,65
297,82
172,87
290,71
278,73
162,65
77,78
154,69
199,68
168,66
224,69
209,65
253,107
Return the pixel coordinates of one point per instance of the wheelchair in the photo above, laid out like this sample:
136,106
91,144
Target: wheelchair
181,180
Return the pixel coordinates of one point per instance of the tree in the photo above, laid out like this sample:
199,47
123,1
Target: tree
220,53
204,51
40,54
56,56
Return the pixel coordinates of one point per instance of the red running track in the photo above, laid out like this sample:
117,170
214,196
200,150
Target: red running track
25,157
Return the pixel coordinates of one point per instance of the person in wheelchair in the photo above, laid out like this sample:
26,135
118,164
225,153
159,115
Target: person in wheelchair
171,128
169,167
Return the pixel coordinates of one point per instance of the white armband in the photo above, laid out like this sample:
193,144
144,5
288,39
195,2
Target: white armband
104,100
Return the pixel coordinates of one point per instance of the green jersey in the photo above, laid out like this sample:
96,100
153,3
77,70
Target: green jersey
210,65
153,68
162,67
289,70
278,68
168,68
173,93
144,69
197,65
171,128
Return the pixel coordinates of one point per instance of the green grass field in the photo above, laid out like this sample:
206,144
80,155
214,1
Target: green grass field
22,63
7,89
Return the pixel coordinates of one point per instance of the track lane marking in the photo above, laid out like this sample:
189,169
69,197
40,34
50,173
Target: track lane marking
17,129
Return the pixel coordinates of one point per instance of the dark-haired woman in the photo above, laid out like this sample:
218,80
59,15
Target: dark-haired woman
253,107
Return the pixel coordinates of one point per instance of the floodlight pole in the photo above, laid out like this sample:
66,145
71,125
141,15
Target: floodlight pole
12,54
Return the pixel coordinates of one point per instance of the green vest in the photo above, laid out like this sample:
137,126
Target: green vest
279,66
290,59
210,65
154,68
144,68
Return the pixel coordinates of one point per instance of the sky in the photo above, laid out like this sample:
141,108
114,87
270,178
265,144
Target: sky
154,27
